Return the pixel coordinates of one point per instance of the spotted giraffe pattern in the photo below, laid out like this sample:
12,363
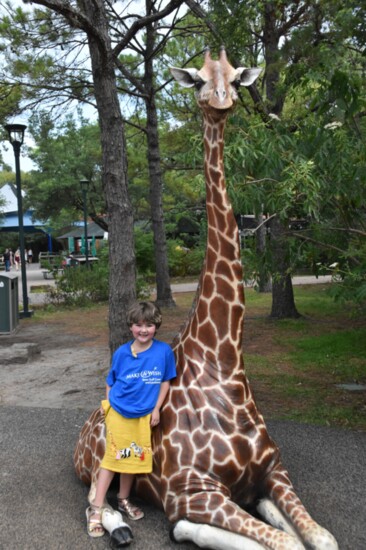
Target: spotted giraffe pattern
89,450
214,460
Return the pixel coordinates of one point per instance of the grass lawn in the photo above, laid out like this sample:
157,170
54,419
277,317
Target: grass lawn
295,367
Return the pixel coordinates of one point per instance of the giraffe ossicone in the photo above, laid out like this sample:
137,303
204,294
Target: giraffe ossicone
213,459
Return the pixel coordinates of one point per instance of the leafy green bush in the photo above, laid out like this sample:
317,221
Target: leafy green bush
81,285
144,251
182,261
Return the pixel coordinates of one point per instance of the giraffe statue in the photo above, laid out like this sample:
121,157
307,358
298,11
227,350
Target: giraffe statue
214,461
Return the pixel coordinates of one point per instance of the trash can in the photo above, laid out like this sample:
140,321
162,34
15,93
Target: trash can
9,302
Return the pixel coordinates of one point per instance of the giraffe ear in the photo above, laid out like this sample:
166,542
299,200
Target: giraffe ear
185,77
247,76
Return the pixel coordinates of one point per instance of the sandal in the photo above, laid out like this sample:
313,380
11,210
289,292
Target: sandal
126,507
94,521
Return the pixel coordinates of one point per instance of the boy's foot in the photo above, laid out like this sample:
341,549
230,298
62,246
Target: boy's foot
94,521
126,507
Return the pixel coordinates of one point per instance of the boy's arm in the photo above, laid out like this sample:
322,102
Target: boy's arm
155,415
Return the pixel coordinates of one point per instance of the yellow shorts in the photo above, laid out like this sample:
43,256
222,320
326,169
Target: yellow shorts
128,443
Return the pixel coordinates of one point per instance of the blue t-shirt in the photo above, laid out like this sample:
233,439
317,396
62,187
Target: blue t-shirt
135,381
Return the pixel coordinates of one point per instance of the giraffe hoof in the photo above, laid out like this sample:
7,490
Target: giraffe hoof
174,529
120,532
121,537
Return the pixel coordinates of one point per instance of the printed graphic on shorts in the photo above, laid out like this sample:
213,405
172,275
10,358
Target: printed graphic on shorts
138,452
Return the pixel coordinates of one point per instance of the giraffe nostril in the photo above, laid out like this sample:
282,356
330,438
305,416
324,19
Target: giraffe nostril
221,93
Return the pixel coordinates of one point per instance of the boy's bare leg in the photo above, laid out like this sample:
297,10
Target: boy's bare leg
125,484
104,480
124,504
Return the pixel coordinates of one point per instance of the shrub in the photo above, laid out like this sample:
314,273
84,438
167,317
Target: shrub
81,286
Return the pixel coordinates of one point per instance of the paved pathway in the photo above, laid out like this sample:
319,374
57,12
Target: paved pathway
43,503
35,278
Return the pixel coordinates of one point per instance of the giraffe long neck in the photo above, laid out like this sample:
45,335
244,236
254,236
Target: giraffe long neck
222,276
223,250
216,322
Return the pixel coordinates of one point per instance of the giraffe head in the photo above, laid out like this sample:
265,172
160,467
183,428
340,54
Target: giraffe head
217,83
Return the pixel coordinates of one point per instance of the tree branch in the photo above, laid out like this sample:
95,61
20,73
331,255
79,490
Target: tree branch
141,22
324,245
75,17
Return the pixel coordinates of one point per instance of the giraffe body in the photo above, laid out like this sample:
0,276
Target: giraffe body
213,459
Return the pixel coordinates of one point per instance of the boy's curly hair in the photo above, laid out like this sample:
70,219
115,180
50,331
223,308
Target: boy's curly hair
147,312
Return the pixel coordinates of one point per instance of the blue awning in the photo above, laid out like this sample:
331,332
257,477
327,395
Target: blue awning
9,222
9,213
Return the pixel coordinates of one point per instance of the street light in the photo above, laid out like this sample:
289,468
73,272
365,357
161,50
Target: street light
16,138
84,184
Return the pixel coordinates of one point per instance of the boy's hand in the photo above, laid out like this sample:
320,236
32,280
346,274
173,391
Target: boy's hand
104,407
155,418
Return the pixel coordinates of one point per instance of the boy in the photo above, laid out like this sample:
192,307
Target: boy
137,385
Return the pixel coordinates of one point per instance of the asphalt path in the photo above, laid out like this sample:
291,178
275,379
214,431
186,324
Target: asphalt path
43,502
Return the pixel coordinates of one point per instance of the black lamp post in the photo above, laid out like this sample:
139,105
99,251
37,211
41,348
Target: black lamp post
16,138
84,184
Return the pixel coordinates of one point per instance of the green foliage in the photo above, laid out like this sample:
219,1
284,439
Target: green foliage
144,251
64,154
80,286
307,163
351,278
182,261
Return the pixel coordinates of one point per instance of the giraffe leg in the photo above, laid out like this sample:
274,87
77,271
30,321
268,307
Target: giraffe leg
313,535
213,521
207,536
284,510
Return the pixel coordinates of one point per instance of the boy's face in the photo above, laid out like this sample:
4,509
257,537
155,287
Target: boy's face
143,332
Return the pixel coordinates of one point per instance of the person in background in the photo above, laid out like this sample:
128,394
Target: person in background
17,259
7,259
30,255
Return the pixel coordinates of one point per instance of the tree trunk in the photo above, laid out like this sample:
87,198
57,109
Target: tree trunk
164,294
271,55
283,302
264,278
122,278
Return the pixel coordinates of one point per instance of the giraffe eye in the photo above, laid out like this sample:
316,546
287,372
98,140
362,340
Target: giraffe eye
198,84
237,83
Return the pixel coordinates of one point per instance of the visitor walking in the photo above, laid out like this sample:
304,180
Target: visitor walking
7,259
17,259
